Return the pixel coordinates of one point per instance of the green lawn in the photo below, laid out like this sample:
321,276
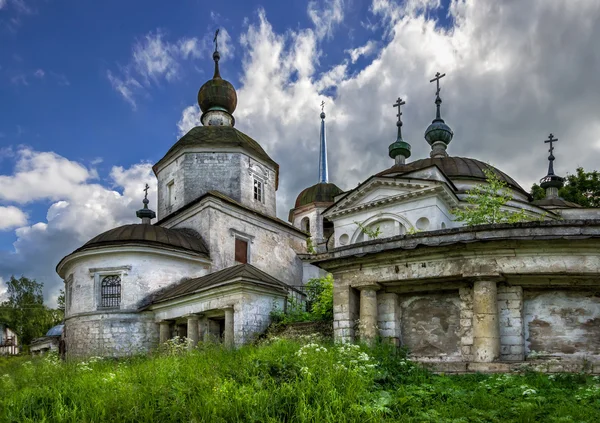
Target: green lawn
282,381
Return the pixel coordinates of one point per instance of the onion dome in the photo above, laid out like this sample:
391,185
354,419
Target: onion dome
438,134
399,150
217,98
319,193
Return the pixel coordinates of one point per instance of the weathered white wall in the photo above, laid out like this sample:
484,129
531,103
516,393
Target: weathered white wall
151,269
230,172
562,323
273,248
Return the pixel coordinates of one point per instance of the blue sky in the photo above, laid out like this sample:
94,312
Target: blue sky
93,93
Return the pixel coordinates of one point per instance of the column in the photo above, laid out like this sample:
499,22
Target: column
192,331
388,318
165,331
368,314
486,330
345,312
228,340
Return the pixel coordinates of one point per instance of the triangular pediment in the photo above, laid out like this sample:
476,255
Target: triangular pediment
378,191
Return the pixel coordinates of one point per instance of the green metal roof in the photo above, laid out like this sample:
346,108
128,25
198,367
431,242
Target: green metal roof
322,192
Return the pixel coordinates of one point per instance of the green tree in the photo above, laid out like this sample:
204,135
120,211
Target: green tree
25,312
320,296
582,188
60,301
486,202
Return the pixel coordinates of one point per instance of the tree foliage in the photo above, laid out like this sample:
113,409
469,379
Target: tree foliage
25,312
486,204
582,188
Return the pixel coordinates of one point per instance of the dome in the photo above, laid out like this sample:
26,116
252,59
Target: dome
455,168
55,331
438,131
217,94
322,192
181,239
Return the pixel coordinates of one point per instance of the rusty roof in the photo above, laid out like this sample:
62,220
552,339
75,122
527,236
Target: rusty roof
245,272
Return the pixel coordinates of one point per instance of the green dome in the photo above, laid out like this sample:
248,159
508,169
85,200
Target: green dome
438,131
322,192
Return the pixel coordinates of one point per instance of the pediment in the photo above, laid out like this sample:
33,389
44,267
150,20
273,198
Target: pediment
378,191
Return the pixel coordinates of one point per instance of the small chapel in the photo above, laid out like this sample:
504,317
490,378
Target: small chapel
217,261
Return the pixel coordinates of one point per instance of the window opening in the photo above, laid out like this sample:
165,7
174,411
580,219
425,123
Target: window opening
110,292
258,190
241,251
171,192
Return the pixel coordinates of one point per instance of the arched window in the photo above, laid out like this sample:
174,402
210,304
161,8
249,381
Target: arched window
110,292
305,224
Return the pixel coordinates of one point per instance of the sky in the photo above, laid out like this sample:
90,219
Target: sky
93,93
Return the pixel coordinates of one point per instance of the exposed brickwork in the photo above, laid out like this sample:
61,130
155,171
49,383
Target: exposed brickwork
510,312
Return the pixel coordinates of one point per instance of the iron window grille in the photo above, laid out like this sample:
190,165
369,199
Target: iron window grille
110,292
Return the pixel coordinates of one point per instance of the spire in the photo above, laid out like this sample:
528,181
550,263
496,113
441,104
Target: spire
399,150
145,213
551,183
438,134
216,55
323,171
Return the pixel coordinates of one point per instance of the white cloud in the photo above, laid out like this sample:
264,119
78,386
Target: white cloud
365,50
39,73
155,60
3,290
80,210
190,117
11,217
325,15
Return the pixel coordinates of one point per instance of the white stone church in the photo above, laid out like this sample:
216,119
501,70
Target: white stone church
217,261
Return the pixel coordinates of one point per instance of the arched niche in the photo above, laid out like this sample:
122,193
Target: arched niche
389,225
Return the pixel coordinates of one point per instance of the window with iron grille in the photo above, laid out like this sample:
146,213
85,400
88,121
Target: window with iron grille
258,190
110,292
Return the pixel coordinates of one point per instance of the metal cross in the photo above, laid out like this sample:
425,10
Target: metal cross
146,190
322,106
216,40
550,140
437,78
398,104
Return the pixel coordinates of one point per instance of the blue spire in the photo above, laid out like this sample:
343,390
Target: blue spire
323,173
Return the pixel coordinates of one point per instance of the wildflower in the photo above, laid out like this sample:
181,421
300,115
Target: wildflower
528,392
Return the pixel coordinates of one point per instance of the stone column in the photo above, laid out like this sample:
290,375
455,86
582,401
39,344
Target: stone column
486,330
345,312
192,331
228,339
368,313
165,331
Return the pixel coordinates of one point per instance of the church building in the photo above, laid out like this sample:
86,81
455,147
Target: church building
217,260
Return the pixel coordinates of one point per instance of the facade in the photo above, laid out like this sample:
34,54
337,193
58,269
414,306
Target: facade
218,260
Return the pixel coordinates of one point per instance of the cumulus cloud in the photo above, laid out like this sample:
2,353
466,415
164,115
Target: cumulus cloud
81,208
11,217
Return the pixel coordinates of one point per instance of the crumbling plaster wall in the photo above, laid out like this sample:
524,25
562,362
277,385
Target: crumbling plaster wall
562,323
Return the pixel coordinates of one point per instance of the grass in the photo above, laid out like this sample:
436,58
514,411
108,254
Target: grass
282,381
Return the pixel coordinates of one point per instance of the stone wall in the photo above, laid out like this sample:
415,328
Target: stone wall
562,323
510,313
110,334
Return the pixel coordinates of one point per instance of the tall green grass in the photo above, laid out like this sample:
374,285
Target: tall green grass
282,381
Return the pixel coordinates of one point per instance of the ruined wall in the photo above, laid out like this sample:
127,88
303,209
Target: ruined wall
110,334
510,316
431,325
562,323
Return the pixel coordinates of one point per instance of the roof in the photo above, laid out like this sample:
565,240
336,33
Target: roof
56,330
231,201
183,239
246,272
555,203
218,137
323,192
455,168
